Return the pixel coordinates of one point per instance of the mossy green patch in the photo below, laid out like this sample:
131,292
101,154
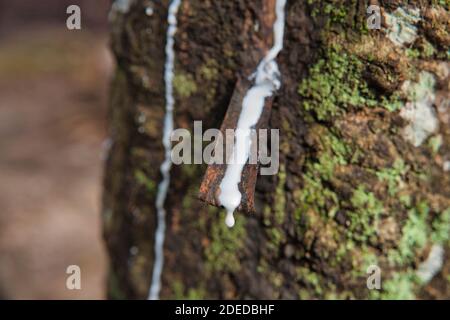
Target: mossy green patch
337,13
441,227
222,254
184,85
314,286
312,281
393,176
280,200
209,72
412,53
400,286
365,216
415,234
335,84
334,152
274,219
179,292
435,143
315,194
144,180
392,103
368,257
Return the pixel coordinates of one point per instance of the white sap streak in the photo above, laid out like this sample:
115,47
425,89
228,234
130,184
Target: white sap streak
266,82
166,165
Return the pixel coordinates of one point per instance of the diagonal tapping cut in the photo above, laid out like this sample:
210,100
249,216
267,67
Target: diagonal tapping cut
233,186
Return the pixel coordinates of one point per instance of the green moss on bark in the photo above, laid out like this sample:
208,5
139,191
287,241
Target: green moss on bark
223,251
334,85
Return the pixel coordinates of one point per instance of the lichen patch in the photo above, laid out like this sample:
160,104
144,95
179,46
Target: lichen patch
419,110
401,24
432,265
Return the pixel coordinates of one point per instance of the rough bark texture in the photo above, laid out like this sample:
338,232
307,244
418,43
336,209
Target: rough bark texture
352,189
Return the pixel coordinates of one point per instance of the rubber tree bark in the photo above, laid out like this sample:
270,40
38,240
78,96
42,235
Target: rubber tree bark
364,150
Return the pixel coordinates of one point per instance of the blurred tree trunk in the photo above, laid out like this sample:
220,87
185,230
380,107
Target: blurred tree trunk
355,188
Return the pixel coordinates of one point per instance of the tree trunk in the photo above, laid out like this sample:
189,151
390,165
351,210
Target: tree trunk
364,152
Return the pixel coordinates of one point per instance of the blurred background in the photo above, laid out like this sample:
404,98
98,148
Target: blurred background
53,98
